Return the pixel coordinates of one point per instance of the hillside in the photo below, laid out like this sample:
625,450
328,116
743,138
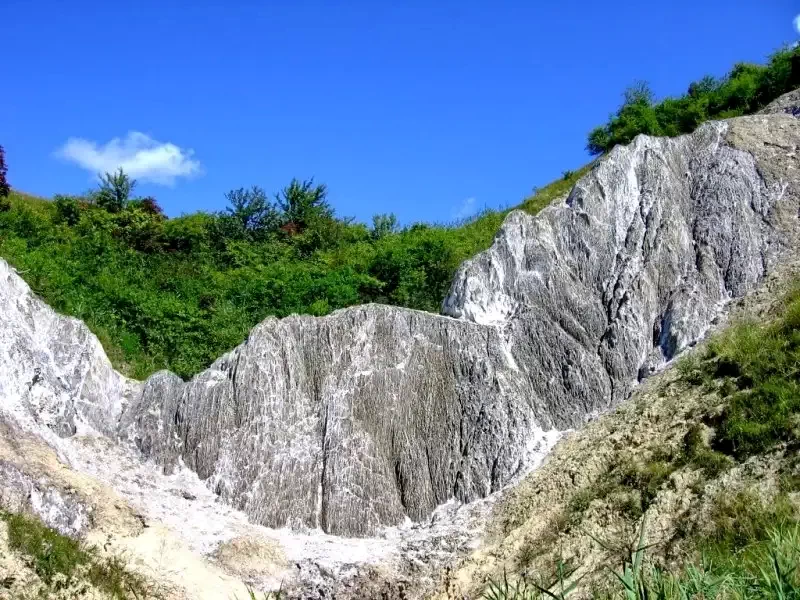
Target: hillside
697,475
176,293
559,410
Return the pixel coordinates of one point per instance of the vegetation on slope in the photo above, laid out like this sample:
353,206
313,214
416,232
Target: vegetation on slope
745,90
176,293
64,564
745,541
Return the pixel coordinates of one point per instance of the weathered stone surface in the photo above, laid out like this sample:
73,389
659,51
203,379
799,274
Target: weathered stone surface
53,370
787,104
597,291
349,421
374,413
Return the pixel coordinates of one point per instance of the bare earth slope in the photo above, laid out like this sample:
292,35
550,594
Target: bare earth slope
567,510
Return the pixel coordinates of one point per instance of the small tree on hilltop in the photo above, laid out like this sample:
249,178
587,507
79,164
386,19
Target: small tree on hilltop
5,189
115,190
303,202
383,225
252,211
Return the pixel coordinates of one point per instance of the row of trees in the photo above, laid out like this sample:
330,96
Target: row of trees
746,89
176,293
299,214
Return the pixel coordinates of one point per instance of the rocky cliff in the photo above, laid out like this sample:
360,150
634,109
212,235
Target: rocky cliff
376,414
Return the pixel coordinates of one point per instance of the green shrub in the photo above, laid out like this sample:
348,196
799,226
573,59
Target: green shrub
67,209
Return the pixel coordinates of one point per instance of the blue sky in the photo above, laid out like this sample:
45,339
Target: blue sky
426,109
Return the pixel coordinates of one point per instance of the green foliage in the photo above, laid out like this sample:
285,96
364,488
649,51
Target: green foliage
251,594
739,522
542,197
250,214
177,293
67,209
115,191
56,559
746,89
762,563
303,203
383,225
698,453
759,370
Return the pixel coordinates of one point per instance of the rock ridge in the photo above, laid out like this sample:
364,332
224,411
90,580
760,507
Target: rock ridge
377,414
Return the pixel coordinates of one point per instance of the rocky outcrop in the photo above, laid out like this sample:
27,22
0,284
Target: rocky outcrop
54,374
598,291
347,422
376,414
788,104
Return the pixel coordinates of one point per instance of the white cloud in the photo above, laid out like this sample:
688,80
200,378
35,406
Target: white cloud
797,23
139,155
466,209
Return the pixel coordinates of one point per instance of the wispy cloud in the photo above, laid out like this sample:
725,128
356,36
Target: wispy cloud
139,155
797,23
466,209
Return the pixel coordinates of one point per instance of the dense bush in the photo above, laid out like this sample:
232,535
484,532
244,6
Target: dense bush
746,89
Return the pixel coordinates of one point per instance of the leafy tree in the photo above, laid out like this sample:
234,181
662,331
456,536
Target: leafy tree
703,87
140,226
383,225
303,202
115,191
251,212
599,141
639,93
5,189
150,206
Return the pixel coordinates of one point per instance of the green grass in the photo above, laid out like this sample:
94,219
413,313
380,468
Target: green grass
52,554
755,367
748,546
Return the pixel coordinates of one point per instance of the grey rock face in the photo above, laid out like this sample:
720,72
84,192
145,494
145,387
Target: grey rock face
597,291
20,493
787,104
53,370
376,414
358,419
346,422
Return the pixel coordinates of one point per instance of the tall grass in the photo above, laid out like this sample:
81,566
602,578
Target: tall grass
769,570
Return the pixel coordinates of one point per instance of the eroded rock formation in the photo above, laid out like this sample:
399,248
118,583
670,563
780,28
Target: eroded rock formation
375,413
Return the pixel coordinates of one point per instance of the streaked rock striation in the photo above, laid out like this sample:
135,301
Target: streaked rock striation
375,414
